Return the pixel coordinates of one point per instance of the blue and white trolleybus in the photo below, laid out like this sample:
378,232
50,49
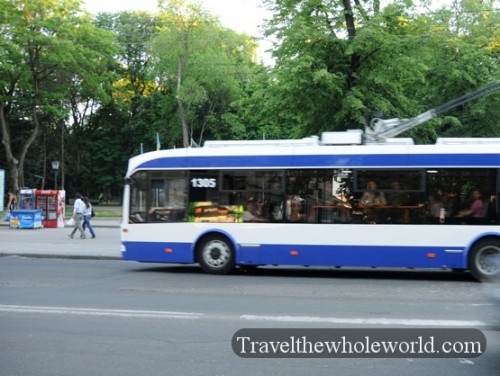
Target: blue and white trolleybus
318,202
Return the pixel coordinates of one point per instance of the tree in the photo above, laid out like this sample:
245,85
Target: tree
261,112
317,68
202,63
342,62
134,88
49,50
133,30
465,57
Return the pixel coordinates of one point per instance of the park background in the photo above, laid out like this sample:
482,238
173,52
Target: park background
92,90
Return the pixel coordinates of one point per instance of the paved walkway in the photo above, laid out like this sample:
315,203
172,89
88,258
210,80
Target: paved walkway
55,242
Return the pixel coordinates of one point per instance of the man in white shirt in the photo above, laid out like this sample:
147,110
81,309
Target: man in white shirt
78,210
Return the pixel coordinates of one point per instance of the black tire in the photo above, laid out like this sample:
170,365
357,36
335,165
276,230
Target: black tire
484,259
215,254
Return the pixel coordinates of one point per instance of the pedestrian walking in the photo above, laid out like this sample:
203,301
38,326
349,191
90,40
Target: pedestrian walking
87,215
12,204
78,210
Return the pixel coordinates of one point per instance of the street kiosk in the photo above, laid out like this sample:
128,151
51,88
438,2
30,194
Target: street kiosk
26,199
25,218
52,204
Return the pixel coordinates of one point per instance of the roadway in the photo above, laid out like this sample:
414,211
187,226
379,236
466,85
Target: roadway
72,307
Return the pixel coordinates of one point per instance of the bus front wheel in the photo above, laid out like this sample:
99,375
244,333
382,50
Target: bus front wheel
484,259
215,254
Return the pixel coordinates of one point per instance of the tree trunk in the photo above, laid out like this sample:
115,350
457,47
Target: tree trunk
351,32
182,112
25,147
11,160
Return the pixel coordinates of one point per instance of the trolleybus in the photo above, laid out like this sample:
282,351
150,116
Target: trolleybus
316,202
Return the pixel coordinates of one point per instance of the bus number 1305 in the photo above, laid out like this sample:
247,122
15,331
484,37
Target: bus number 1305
203,183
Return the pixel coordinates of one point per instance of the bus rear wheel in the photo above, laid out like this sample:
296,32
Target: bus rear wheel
215,254
484,259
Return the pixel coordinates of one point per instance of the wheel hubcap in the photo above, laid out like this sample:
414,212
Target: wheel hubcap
216,254
489,260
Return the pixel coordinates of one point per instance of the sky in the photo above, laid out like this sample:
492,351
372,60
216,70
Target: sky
243,16
240,15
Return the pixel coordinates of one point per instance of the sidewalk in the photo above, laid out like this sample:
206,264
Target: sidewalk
55,242
96,222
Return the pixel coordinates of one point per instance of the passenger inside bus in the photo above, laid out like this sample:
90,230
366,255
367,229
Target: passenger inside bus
477,210
372,196
253,212
295,209
436,204
397,197
370,200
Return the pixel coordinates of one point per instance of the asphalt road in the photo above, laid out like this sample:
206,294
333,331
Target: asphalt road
108,317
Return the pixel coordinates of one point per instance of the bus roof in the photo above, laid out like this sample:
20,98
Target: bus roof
312,153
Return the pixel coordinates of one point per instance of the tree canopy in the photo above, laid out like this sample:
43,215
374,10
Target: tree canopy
341,62
94,90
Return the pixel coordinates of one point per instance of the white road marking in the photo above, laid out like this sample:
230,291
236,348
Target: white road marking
272,318
365,321
466,361
99,312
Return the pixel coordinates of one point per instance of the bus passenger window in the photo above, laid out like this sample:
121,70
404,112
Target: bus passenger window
166,197
138,191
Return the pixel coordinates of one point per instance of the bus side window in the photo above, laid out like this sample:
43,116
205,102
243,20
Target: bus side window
138,194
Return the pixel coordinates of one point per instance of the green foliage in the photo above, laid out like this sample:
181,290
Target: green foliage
398,64
90,91
53,59
203,64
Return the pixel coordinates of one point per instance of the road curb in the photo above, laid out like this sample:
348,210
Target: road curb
94,224
56,256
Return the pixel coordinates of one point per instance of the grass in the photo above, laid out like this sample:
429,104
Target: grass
101,212
108,214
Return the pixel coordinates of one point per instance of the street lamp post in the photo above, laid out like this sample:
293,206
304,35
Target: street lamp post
55,167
